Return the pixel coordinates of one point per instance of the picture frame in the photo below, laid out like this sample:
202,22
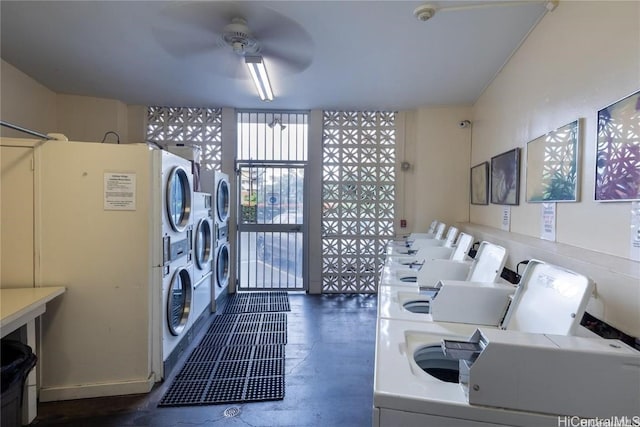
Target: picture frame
505,178
480,184
552,166
618,151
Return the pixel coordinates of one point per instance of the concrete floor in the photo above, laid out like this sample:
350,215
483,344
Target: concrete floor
328,381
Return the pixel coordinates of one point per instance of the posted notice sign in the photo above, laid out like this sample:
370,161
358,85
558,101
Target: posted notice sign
119,191
634,242
506,218
548,221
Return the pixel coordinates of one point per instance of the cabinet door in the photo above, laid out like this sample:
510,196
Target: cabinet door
16,217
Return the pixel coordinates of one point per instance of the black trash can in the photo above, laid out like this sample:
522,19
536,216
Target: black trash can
17,360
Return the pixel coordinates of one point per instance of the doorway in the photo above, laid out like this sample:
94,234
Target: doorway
270,172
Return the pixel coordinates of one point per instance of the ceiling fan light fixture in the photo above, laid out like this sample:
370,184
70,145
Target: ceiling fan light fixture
260,77
424,12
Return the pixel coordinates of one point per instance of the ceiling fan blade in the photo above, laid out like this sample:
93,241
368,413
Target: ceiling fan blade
289,62
285,42
180,45
207,17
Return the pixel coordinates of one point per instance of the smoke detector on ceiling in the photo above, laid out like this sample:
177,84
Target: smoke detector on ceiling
424,12
427,11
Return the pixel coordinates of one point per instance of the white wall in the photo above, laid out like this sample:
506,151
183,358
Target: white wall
580,58
437,184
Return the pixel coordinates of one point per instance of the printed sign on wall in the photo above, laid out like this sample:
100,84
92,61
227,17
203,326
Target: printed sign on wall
548,221
506,218
119,191
635,231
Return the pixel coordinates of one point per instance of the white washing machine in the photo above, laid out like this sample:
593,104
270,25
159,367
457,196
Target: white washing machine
533,379
221,263
203,247
422,386
563,293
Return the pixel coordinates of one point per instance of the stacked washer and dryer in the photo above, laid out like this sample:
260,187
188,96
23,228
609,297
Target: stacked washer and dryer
198,297
120,226
221,257
177,259
203,246
115,227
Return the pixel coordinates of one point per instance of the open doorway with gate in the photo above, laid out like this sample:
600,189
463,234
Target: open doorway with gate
270,172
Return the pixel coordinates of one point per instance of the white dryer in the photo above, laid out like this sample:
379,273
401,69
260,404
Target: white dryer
177,305
221,273
222,204
177,252
202,236
221,260
203,246
177,198
117,267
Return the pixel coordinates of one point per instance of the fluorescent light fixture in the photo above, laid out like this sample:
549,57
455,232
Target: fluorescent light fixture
259,76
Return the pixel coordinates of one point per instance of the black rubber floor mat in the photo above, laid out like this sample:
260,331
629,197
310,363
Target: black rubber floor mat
239,359
246,329
258,302
237,374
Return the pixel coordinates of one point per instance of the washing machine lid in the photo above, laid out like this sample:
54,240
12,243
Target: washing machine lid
222,200
488,263
178,198
462,247
549,299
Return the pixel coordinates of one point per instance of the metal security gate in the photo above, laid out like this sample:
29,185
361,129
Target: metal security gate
272,231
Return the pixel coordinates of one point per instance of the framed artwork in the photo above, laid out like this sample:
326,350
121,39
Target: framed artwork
480,184
552,166
618,151
505,178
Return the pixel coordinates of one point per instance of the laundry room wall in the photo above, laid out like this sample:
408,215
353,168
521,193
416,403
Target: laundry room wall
580,58
436,186
25,102
84,118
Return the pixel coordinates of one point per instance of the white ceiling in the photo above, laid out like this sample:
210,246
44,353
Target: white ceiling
320,54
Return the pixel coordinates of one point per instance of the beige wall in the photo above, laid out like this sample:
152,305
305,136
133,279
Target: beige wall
85,118
27,103
437,184
580,58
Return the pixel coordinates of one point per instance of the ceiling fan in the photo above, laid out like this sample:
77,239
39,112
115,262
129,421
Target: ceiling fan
211,32
239,38
427,11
